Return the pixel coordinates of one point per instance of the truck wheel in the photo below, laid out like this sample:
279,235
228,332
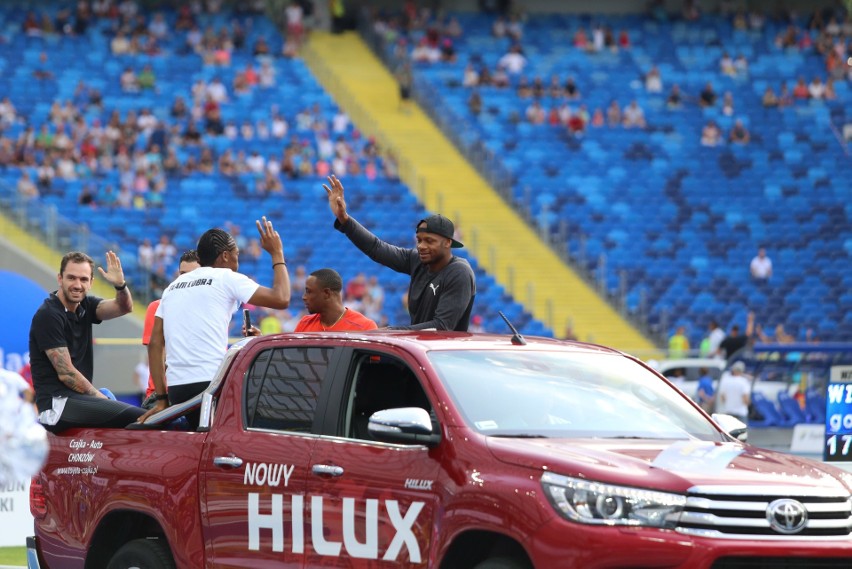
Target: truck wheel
503,563
143,554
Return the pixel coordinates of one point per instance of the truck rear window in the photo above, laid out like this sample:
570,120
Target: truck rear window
282,388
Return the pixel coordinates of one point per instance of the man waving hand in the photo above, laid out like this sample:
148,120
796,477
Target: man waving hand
442,285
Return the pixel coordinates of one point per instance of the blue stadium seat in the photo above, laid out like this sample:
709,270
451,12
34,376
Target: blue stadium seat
771,416
791,409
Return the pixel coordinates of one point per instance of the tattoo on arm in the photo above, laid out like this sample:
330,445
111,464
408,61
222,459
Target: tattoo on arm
68,374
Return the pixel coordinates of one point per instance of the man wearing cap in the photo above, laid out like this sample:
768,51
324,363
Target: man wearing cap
191,323
442,285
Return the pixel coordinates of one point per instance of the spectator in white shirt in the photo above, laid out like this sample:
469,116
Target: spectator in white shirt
761,266
816,89
145,254
471,76
714,338
634,116
653,81
158,26
128,81
266,75
256,163
217,91
535,113
279,126
165,251
734,393
514,61
340,122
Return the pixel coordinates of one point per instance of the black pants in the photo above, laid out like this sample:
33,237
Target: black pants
181,393
89,411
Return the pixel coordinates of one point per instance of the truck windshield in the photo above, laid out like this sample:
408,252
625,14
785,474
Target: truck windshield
566,394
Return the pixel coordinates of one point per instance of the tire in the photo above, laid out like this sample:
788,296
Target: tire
503,563
143,554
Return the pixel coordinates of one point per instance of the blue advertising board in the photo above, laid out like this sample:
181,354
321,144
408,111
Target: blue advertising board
838,415
23,297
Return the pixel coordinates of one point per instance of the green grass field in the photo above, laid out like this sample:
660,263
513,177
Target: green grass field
13,556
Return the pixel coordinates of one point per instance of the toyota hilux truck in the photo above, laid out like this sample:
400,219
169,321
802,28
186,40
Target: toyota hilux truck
396,449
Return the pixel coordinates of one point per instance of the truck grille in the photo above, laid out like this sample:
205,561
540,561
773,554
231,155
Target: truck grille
735,512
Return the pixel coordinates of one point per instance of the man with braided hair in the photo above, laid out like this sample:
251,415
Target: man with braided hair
188,262
191,323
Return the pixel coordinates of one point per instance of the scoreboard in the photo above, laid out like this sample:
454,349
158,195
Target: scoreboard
838,415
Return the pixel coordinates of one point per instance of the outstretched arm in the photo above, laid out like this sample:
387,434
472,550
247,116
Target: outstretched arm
279,295
749,324
123,302
391,256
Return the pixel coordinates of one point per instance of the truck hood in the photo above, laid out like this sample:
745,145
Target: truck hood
672,466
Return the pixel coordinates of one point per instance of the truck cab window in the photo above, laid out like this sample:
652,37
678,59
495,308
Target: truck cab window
282,388
380,382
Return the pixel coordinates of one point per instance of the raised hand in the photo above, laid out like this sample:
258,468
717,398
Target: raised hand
114,274
270,240
335,199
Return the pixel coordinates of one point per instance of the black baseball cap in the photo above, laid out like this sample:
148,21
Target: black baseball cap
439,225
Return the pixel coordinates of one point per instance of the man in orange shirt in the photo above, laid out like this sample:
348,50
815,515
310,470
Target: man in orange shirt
324,303
188,262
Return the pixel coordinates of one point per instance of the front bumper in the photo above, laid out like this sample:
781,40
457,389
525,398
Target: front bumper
564,545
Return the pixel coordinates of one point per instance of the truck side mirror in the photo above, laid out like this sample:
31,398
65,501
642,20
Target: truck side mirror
405,425
732,426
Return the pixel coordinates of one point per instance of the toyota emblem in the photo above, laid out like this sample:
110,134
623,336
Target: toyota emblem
787,516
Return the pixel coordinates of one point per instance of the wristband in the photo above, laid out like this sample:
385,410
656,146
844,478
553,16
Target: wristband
279,263
161,397
122,287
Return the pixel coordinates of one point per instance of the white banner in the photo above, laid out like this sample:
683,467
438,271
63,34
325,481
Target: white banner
808,438
16,522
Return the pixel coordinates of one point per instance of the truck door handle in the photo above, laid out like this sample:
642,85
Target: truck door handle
327,470
228,461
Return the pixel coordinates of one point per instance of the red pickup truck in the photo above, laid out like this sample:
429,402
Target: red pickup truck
440,450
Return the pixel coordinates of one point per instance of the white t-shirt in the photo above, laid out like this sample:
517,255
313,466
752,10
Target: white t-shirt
761,268
513,62
140,374
716,337
729,398
196,310
633,114
294,15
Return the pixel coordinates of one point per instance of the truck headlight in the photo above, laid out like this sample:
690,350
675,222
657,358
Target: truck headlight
590,502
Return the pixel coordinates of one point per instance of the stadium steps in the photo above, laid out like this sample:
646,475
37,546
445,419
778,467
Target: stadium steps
444,181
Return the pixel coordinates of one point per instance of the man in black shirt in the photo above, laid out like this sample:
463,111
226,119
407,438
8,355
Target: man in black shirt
442,285
734,342
61,350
